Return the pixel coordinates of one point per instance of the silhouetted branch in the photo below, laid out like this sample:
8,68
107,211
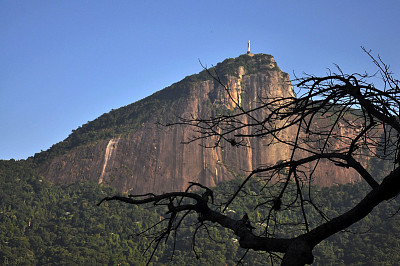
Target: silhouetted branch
328,106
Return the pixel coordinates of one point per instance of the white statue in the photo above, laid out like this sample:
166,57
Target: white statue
248,47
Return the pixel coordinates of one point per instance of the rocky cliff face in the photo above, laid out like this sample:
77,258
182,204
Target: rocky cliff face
151,158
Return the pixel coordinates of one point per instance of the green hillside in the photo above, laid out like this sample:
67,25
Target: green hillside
45,224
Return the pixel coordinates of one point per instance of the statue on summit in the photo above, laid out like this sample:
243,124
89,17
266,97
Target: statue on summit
248,47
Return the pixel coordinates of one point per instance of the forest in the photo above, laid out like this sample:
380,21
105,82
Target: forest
46,224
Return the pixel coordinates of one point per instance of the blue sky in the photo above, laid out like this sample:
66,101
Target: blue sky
63,63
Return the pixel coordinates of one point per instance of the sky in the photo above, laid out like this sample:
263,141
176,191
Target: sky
64,63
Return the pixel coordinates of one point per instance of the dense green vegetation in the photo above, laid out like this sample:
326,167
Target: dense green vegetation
41,224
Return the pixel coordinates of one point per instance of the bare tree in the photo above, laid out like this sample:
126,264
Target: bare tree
325,104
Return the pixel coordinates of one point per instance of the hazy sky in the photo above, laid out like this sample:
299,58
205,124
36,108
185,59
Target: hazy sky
63,63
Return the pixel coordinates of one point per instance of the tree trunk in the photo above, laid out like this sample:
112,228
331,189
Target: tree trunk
299,253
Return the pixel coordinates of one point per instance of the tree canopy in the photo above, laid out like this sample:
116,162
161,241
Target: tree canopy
370,116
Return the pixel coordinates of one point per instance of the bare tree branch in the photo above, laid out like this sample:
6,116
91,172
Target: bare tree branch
327,106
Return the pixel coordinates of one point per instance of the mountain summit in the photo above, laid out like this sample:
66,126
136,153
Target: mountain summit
128,149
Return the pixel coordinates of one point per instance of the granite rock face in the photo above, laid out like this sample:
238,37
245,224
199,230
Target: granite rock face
151,158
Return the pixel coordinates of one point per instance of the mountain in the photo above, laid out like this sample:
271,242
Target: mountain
128,149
